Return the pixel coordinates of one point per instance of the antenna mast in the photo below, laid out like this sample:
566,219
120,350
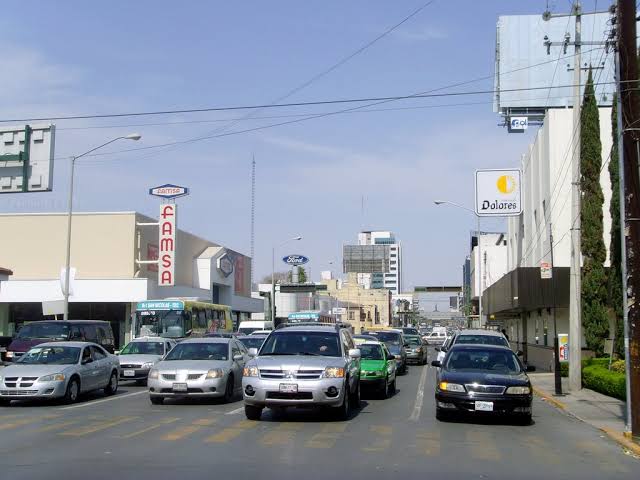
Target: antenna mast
253,213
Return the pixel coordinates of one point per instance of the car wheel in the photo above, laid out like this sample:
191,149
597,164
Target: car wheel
228,391
356,396
525,419
112,386
156,400
384,391
252,412
442,415
392,388
344,410
5,402
72,392
141,382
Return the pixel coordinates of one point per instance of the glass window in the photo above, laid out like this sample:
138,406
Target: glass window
51,356
482,340
143,348
253,341
503,361
371,352
54,331
302,343
199,351
388,337
98,353
86,354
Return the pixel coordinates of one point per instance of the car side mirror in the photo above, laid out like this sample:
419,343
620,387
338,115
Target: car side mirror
85,361
520,353
117,352
253,352
238,357
437,349
531,368
354,353
406,344
436,363
391,357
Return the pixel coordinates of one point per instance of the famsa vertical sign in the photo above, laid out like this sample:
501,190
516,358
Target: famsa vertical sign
167,240
498,193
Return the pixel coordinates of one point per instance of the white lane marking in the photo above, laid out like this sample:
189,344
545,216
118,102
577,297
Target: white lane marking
417,408
117,397
236,411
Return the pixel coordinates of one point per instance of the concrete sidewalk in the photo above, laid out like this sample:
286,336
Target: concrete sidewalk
605,413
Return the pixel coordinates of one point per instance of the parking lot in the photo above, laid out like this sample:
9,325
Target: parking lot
126,435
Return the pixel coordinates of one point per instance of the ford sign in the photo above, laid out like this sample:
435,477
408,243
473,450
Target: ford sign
295,260
169,191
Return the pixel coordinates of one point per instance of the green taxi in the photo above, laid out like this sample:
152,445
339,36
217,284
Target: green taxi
377,368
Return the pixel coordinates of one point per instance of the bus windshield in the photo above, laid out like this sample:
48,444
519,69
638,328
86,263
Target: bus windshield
168,324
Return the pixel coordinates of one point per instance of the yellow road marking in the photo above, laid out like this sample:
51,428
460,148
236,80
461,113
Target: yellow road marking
97,427
231,432
164,422
182,432
539,448
25,421
327,437
382,440
282,434
56,426
482,446
429,442
593,449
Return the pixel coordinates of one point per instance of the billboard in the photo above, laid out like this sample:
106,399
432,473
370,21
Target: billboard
26,158
498,193
365,258
167,240
524,65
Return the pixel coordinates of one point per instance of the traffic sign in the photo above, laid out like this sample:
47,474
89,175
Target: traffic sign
169,190
546,271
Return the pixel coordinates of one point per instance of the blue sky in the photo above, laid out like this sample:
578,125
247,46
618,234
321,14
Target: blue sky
78,57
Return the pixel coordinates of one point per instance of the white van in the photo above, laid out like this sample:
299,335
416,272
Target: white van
437,336
251,326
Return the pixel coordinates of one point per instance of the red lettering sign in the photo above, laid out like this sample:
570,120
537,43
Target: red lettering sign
167,241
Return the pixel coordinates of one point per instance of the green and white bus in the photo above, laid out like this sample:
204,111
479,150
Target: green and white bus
179,318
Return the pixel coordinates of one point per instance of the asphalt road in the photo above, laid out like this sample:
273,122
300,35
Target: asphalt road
126,437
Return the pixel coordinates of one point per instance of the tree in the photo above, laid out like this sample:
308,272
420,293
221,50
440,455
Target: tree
614,284
594,279
279,277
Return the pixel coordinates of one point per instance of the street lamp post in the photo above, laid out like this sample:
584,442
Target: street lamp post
446,202
132,136
273,277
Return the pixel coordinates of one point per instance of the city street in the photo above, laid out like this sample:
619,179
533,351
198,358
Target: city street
126,437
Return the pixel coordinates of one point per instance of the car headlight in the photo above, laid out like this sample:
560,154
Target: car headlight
215,373
250,371
518,391
9,355
147,365
418,350
56,377
333,372
451,387
153,374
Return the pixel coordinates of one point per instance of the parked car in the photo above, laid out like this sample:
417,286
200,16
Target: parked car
304,365
252,341
482,379
59,370
35,333
394,340
199,367
140,355
416,349
377,368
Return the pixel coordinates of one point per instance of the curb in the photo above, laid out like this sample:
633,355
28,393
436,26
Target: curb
615,435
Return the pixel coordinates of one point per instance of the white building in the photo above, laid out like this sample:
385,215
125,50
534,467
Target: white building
391,280
522,301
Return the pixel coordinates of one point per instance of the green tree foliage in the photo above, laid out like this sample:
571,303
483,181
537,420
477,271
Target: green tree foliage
594,279
614,286
302,275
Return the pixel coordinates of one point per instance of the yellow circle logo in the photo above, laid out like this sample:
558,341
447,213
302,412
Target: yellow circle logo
506,184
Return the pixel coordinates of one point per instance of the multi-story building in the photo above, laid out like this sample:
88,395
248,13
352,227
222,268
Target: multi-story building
392,279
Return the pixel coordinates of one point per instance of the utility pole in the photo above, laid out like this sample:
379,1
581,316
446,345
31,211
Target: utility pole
630,103
556,345
575,273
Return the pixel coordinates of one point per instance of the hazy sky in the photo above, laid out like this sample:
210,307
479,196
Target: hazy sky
77,57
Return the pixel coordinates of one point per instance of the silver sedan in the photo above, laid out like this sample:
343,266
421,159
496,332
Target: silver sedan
199,367
59,370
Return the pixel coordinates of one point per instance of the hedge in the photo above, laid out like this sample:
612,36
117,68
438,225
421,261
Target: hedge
600,379
601,362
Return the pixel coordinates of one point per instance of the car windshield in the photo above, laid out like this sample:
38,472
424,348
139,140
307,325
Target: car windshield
392,338
51,356
54,331
497,361
371,352
414,341
302,343
411,331
199,351
482,340
143,348
252,342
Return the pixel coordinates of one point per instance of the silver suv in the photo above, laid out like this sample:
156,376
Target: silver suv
303,365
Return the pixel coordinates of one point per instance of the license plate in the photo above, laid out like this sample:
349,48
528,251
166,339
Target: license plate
289,387
484,406
129,373
179,387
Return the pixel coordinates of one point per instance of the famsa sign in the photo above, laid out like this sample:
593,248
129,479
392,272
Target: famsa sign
167,240
498,193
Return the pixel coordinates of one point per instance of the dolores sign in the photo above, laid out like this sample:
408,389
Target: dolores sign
498,193
295,260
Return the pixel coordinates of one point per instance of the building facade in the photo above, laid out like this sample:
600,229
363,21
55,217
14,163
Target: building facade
106,279
392,279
